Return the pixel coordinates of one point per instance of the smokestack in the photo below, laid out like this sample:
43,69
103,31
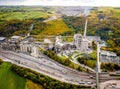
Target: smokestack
85,29
31,28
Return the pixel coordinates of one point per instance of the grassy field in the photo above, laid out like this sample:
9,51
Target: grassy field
10,80
10,13
23,15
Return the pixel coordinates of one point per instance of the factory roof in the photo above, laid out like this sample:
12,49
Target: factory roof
16,37
108,53
2,38
47,41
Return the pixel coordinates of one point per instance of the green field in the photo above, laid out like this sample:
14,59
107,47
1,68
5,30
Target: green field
10,80
22,13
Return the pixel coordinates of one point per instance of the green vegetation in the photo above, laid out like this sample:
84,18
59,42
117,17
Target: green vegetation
75,23
24,13
89,59
110,67
1,61
32,85
54,27
10,80
88,62
103,22
64,61
15,27
41,29
47,82
16,77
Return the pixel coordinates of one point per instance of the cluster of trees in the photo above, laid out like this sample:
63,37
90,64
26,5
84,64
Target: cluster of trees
110,66
1,61
14,27
45,81
20,27
104,66
113,49
75,23
40,29
64,61
87,61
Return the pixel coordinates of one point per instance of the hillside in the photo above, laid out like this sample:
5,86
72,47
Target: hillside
54,27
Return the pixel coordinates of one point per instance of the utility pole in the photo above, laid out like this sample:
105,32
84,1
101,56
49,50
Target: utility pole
98,66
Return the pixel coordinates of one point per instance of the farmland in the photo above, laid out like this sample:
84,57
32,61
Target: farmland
10,80
24,13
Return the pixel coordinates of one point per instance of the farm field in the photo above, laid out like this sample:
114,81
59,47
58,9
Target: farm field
10,80
24,13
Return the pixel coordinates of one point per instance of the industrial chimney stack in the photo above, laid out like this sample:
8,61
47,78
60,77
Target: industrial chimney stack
85,29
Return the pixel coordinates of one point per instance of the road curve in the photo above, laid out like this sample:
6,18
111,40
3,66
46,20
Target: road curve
48,67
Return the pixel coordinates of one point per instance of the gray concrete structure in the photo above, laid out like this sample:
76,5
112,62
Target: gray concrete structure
35,51
78,40
93,38
82,43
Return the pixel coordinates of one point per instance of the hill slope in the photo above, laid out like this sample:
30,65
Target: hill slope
54,27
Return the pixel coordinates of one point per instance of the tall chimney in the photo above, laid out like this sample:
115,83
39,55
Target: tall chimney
31,28
85,29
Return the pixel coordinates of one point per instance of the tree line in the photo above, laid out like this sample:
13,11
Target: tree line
45,81
63,61
21,27
110,67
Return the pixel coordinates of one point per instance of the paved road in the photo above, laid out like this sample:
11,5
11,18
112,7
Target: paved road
52,68
113,84
48,67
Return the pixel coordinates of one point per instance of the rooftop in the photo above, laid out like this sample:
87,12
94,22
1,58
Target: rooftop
2,38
